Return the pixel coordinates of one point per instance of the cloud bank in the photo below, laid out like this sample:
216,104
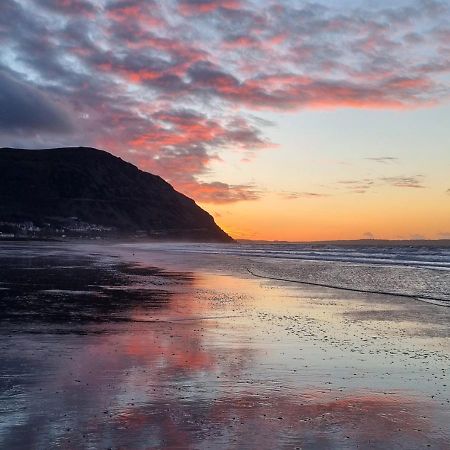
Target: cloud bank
172,85
24,108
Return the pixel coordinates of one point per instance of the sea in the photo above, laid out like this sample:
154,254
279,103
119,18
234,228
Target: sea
410,271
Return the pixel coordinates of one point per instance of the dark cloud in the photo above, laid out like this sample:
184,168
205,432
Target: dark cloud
68,6
25,108
207,6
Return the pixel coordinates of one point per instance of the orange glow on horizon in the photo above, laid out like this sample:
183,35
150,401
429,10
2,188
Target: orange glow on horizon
343,217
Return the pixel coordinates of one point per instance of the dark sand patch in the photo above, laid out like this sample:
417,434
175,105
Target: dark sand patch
75,289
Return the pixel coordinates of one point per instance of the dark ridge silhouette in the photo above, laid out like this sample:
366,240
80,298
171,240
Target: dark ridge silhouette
85,188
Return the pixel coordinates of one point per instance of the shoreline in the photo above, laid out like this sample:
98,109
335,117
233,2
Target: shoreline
432,300
438,242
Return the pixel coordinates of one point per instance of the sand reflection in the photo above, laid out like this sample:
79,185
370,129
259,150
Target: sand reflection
173,369
166,387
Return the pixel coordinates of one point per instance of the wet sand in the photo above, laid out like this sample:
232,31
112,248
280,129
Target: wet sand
106,346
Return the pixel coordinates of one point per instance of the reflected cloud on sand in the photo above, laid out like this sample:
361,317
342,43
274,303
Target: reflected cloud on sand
167,387
175,369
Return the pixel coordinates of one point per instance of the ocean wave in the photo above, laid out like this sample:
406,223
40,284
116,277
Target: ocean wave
411,272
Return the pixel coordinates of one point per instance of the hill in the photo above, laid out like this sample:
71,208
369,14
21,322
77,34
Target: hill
85,190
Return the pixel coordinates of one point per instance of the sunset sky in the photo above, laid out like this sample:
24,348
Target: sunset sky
286,120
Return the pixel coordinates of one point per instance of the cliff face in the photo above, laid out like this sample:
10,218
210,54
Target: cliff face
53,185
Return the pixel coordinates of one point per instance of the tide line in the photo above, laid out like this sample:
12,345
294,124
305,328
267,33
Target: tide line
425,298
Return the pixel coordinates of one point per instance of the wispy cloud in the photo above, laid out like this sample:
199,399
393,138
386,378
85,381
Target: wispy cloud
220,193
358,186
361,186
382,159
405,182
296,195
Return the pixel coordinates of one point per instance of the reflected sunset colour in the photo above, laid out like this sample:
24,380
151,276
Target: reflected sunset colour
171,359
286,120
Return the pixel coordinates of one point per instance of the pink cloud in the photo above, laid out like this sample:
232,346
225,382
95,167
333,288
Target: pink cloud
175,85
220,193
190,7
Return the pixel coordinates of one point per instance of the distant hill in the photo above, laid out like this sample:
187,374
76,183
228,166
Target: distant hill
92,190
361,242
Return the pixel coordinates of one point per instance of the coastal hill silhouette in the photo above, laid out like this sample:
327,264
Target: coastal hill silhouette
82,185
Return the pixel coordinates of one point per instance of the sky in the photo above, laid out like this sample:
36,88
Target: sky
286,120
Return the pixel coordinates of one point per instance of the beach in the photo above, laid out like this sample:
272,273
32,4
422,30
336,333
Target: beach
132,346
